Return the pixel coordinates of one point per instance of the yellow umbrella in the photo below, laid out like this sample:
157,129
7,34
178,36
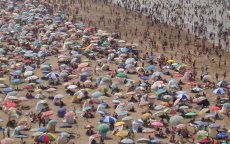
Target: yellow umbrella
122,133
3,79
170,61
146,116
38,90
203,111
117,124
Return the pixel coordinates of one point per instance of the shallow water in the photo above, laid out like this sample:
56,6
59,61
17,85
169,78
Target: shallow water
184,12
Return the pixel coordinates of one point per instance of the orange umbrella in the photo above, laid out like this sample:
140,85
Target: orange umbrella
83,65
165,104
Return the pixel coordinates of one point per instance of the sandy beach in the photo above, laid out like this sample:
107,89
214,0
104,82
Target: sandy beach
134,29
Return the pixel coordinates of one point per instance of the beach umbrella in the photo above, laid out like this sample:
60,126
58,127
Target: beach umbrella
146,116
222,84
197,89
17,72
52,75
33,77
103,128
215,108
7,141
169,111
83,65
42,129
210,115
16,81
159,107
191,114
226,105
127,141
143,141
143,77
127,118
51,90
97,94
72,87
201,123
160,91
47,113
183,96
117,124
46,138
219,91
157,124
201,134
181,126
122,133
150,67
13,93
7,90
222,135
114,86
214,125
122,75
108,119
155,141
148,130
205,140
156,74
176,120
69,114
52,122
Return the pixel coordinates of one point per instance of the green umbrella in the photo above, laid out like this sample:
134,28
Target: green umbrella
105,44
97,94
103,128
190,114
122,75
113,86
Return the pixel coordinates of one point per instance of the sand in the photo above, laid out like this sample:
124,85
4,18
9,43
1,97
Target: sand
91,11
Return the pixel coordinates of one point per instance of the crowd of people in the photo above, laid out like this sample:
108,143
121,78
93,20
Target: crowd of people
61,73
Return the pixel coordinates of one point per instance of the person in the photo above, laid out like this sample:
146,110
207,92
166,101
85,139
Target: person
8,132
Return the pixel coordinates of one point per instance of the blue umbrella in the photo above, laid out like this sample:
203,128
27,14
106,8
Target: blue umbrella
42,129
183,96
7,90
155,141
222,135
52,75
150,67
17,72
144,85
124,50
16,81
108,119
52,122
219,91
214,125
143,77
39,81
201,123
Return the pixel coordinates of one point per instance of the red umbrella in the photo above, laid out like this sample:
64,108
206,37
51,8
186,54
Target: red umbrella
47,113
206,140
157,124
28,87
8,104
215,108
